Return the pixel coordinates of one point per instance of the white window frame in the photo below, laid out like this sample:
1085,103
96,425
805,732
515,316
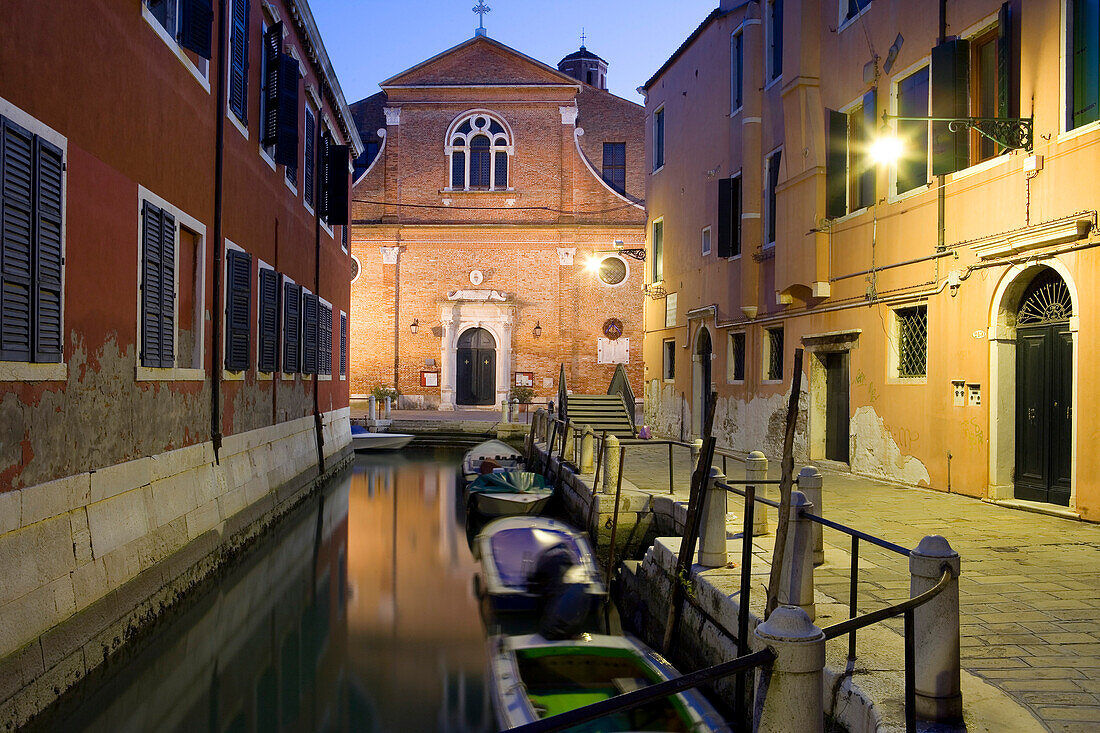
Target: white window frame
764,215
770,77
844,22
494,147
625,280
730,378
324,126
322,302
196,372
268,157
660,111
229,113
202,75
29,371
1065,131
705,244
665,353
737,71
651,253
894,344
260,374
892,192
308,109
766,354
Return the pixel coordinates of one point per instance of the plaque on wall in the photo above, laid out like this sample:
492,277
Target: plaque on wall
525,379
613,328
429,379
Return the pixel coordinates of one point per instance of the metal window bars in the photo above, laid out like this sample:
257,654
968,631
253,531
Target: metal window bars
912,341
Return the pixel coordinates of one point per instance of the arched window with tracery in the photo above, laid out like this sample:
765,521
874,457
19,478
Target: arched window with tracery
480,148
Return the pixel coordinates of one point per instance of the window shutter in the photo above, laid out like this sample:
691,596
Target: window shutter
343,344
291,326
336,180
458,169
344,237
268,348
950,98
309,333
326,340
167,290
48,250
16,255
501,172
273,41
866,173
324,193
196,26
150,285
286,141
238,61
725,217
836,163
310,158
1086,62
238,304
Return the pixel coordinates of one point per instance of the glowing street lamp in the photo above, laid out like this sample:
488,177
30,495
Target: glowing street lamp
886,149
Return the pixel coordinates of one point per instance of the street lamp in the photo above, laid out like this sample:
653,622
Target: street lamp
886,149
538,330
414,326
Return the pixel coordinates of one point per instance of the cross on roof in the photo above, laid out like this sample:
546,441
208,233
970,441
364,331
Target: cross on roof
582,37
481,9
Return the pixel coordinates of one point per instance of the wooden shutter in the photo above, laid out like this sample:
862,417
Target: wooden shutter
238,61
16,233
1086,62
324,194
268,348
238,305
336,182
725,217
866,173
836,163
1004,61
286,141
309,333
950,98
167,290
343,344
48,252
273,41
291,327
735,197
325,356
196,26
151,226
309,174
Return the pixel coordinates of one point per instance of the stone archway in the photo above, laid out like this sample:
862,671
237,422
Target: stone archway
702,379
463,313
1003,397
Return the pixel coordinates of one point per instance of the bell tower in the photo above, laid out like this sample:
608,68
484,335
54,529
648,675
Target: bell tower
585,66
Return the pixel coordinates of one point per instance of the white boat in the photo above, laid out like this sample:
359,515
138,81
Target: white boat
500,453
532,678
508,492
362,440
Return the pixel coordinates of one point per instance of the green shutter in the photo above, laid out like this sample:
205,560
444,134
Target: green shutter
167,290
268,348
862,152
16,240
238,61
291,327
238,307
310,307
950,98
151,224
1086,62
196,26
836,163
48,252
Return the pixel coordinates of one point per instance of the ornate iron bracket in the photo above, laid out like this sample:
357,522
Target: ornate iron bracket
638,254
655,291
1011,133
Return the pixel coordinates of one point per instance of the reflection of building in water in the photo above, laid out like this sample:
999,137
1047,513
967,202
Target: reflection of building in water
265,651
414,630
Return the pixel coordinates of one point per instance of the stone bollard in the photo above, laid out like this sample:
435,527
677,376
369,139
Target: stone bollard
809,483
372,408
712,531
796,584
610,464
549,427
789,693
504,411
387,405
936,631
756,469
696,450
588,442
568,448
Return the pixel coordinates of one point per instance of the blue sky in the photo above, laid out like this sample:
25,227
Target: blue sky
371,40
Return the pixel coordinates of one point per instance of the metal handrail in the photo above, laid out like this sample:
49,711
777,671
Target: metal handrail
636,698
855,533
854,624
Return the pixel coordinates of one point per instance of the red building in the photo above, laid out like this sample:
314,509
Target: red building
174,296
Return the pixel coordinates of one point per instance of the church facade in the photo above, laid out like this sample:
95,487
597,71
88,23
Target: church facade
498,229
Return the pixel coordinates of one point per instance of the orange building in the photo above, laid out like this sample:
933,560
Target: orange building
495,216
943,299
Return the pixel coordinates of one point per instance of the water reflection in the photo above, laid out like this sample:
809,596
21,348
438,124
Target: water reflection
357,613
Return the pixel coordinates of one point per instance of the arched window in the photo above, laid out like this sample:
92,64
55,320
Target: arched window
479,150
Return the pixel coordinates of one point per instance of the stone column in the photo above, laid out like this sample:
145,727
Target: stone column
789,694
756,469
809,483
372,408
387,407
567,446
504,411
712,531
588,443
936,631
696,451
610,464
796,584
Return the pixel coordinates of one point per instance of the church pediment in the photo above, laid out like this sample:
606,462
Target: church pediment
481,60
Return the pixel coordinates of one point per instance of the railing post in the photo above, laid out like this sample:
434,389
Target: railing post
756,469
588,439
796,583
372,408
712,532
809,483
936,631
568,447
610,464
549,426
388,404
696,449
504,412
789,695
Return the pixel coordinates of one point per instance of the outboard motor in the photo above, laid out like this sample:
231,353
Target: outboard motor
563,605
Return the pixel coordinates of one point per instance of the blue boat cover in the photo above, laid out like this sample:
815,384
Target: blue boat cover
507,482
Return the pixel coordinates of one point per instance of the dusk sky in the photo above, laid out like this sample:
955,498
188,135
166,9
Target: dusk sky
370,40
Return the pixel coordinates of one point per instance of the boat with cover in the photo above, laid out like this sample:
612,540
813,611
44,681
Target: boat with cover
532,678
508,492
498,453
363,440
528,562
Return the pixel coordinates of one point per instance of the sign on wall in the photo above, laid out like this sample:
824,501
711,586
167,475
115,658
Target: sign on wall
670,310
429,379
613,352
525,379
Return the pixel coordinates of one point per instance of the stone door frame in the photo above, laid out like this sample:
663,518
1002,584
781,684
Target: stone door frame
460,316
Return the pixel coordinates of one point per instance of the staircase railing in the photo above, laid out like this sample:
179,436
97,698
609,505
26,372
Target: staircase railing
562,394
620,385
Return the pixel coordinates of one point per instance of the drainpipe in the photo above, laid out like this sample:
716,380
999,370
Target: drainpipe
219,245
318,425
941,180
752,157
396,315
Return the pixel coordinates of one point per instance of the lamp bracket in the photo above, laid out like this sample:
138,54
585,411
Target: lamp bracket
1011,133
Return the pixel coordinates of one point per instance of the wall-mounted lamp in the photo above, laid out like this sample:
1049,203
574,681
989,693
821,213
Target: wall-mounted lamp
538,330
414,326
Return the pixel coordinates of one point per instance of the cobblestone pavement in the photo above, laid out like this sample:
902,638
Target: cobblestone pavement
1029,589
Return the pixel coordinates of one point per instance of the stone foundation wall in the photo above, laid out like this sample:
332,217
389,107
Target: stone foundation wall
92,558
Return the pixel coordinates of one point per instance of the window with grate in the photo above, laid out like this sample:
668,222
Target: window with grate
912,341
480,151
669,366
775,354
614,165
736,362
612,270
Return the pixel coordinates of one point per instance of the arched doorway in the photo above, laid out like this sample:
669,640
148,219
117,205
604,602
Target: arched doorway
476,368
701,384
1044,391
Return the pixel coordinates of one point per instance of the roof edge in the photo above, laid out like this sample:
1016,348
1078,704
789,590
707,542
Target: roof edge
713,16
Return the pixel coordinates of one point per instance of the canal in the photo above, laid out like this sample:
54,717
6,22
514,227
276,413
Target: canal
356,613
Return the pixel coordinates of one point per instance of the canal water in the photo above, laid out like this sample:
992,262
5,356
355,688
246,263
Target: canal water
356,614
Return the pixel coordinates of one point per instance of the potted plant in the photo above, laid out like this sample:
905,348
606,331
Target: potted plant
523,395
381,392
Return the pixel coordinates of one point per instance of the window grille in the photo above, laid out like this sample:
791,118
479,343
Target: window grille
1046,301
775,354
912,341
737,360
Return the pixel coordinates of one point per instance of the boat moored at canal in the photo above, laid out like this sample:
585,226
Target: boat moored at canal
508,493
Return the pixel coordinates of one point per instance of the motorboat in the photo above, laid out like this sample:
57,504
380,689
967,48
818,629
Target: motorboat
492,453
532,678
508,492
362,440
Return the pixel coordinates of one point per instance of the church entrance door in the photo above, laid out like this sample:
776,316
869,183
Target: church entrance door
476,368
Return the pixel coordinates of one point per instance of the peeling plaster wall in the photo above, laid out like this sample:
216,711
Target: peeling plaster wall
876,453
